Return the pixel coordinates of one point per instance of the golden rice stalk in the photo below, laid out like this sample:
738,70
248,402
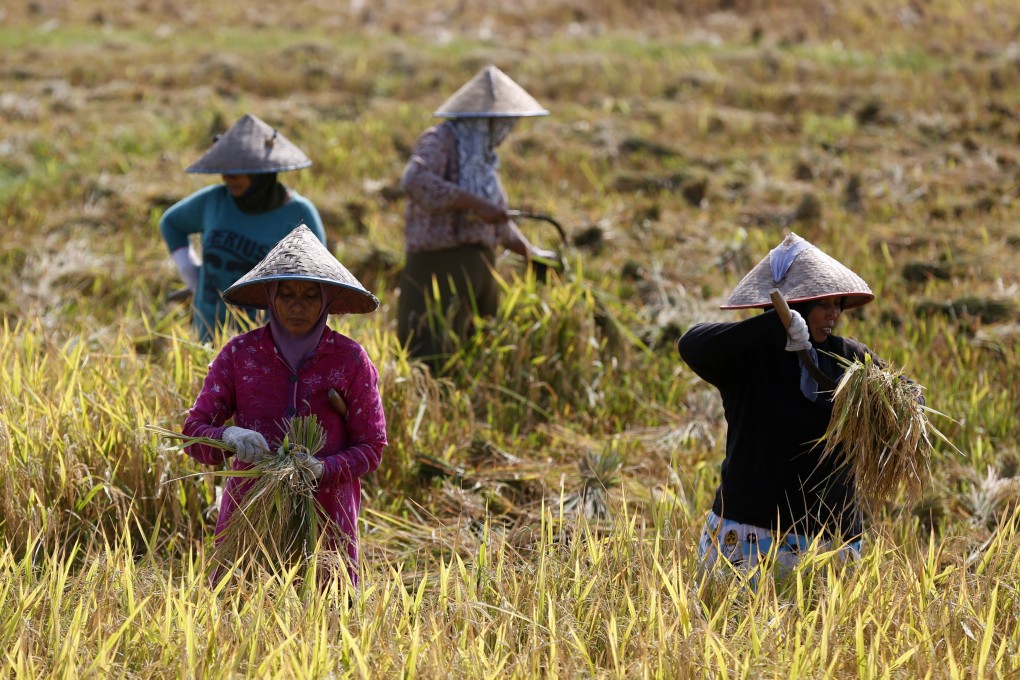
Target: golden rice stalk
880,428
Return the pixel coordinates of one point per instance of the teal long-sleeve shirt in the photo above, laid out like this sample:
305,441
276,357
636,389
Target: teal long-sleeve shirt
233,242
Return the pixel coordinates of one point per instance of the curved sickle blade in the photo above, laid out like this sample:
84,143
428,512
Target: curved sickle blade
540,216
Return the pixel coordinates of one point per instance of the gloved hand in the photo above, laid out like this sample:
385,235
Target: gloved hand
544,254
187,266
249,446
798,335
311,462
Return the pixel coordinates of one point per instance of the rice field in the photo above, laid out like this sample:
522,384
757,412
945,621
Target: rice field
537,510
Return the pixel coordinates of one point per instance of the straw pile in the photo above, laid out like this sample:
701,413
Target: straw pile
880,426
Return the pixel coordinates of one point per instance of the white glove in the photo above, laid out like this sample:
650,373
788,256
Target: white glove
544,254
249,445
187,266
799,336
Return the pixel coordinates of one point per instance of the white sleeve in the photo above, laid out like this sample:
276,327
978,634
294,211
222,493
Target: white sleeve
187,265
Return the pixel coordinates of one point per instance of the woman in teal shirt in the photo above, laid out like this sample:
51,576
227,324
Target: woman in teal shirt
240,220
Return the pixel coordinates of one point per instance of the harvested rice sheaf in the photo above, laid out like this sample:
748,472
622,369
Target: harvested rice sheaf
276,523
880,426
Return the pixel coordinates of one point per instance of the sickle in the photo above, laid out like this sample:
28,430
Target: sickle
540,216
542,266
825,383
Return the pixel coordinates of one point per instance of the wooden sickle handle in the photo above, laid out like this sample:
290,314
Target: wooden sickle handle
782,309
337,402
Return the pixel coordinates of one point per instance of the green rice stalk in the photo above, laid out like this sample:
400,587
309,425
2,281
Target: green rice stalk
186,441
881,431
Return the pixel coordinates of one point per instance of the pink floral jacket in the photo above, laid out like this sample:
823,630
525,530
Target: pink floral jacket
250,382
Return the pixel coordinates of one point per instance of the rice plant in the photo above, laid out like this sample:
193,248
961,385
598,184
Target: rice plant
600,473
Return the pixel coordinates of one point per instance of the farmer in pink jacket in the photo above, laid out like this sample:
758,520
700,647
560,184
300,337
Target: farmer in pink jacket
287,368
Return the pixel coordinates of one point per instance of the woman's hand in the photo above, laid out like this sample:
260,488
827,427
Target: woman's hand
310,462
249,445
487,211
188,265
798,335
490,212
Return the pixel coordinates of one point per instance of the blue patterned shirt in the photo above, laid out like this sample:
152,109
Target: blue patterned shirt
233,242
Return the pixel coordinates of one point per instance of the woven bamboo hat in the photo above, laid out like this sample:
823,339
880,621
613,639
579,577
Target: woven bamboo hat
301,257
251,146
801,272
490,94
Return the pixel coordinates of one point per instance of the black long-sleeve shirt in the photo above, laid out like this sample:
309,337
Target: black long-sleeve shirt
771,476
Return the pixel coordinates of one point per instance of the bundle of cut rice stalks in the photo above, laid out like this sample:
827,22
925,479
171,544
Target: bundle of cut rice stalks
276,524
880,425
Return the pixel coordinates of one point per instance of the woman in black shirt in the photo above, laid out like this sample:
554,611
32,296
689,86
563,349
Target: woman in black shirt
773,486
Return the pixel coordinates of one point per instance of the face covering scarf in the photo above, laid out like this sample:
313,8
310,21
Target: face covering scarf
808,385
477,139
265,194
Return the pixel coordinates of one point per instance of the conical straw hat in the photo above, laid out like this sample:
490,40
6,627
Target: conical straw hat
811,275
251,146
490,94
301,257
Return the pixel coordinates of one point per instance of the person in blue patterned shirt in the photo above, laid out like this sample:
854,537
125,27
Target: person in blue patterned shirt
240,220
